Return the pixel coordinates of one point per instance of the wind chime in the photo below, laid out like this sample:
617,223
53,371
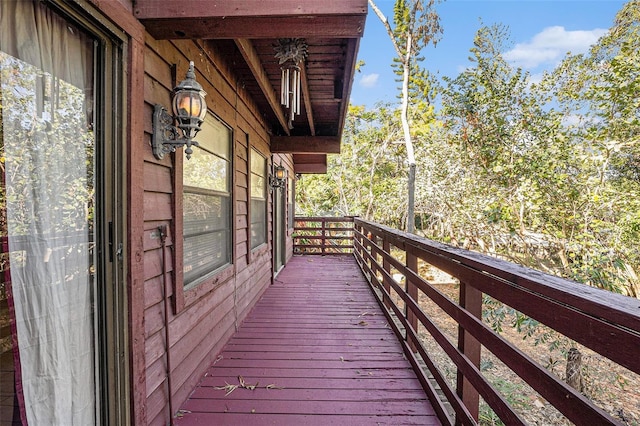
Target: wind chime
291,53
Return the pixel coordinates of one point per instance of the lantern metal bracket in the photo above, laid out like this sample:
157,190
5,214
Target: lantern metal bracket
166,137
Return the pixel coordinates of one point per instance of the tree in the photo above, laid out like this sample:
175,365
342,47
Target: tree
416,25
365,178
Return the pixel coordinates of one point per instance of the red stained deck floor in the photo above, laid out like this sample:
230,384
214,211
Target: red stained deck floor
318,350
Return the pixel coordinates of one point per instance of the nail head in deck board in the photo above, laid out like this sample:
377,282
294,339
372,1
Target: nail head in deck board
325,344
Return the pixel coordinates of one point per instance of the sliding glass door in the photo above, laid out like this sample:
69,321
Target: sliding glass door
57,195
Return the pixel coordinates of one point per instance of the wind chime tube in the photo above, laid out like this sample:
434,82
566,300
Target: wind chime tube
294,90
282,92
288,101
298,91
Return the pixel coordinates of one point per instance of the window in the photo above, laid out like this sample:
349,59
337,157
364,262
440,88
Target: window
207,202
258,199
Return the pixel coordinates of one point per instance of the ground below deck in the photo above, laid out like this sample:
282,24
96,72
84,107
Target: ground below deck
318,350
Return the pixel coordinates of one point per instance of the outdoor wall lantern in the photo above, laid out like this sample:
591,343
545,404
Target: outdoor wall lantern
189,109
278,178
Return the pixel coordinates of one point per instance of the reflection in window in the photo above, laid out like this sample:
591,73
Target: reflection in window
207,202
47,217
258,199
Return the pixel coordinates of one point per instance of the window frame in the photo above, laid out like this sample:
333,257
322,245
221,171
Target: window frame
185,295
253,151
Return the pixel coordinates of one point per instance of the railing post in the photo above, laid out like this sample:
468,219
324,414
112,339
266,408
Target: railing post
412,291
323,235
386,246
471,300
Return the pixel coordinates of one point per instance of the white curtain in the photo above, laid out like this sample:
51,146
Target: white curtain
46,98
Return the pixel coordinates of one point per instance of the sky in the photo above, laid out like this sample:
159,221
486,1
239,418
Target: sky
541,33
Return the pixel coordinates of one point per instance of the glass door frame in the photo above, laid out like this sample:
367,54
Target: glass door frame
279,228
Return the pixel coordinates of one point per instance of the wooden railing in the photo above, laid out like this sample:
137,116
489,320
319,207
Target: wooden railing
323,235
606,323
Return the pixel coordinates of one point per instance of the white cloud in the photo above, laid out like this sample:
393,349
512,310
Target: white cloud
550,45
369,80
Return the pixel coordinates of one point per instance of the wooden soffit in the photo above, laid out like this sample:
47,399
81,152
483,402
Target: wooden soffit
252,19
305,144
310,163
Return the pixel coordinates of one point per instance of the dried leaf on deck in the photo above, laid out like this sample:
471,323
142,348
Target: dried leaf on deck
244,384
227,387
273,386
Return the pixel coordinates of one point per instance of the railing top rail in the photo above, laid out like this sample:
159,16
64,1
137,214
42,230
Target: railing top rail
603,304
324,218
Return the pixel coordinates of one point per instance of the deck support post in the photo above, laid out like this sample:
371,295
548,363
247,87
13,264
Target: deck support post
471,300
412,291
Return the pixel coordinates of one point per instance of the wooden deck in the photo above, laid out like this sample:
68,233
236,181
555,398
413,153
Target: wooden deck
318,350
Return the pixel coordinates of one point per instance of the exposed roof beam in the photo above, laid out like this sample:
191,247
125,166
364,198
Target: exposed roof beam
350,62
197,19
310,163
305,144
306,95
350,26
145,9
253,61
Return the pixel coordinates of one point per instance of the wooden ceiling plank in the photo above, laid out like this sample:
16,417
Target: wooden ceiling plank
251,58
306,95
305,144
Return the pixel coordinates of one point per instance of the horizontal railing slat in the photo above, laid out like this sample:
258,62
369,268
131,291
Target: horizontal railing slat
323,235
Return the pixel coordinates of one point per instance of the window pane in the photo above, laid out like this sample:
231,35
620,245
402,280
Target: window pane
215,137
205,213
258,163
49,213
258,222
206,171
206,234
257,186
205,253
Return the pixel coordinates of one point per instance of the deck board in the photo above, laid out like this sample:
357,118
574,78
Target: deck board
318,350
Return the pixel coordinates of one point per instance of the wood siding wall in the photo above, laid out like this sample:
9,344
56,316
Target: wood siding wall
208,315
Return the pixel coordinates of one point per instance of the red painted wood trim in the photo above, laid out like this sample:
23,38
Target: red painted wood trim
123,18
135,229
305,144
178,243
151,9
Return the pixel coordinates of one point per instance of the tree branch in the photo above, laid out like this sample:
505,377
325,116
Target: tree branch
386,24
